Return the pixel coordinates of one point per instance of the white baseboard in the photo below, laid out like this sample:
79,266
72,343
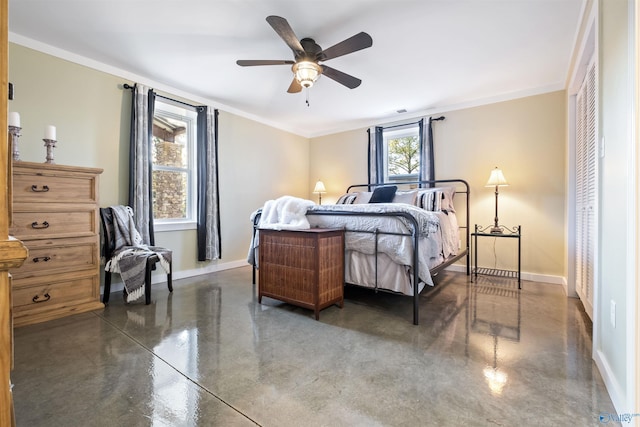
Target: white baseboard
616,393
211,268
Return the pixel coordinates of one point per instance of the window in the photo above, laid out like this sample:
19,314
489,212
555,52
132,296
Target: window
402,153
173,165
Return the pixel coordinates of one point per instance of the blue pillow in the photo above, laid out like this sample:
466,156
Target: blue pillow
383,194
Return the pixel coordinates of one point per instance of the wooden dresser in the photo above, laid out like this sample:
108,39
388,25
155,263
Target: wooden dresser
302,267
55,214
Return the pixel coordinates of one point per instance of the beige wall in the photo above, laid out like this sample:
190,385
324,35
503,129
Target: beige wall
524,137
91,112
338,160
257,163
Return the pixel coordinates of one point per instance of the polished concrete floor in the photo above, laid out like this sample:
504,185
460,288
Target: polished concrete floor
484,354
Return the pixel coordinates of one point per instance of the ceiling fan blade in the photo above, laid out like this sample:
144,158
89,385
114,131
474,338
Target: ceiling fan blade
295,86
342,78
251,63
282,27
352,44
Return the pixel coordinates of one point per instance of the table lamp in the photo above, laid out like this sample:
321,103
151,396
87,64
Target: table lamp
319,189
496,179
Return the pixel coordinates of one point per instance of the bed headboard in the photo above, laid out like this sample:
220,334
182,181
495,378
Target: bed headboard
415,184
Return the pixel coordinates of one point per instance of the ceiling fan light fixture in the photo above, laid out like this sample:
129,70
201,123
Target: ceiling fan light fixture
306,72
307,53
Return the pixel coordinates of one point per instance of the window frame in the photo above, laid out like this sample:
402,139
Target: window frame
411,129
168,109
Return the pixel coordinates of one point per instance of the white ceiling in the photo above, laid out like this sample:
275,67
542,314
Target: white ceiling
427,55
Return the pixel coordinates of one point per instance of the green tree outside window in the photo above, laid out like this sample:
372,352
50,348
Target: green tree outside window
404,155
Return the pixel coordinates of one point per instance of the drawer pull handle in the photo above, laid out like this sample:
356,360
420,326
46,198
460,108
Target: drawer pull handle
44,189
37,299
41,258
36,225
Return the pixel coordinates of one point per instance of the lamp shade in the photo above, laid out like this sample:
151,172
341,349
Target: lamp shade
496,179
319,188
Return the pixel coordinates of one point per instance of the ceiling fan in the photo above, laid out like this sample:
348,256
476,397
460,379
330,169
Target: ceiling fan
308,54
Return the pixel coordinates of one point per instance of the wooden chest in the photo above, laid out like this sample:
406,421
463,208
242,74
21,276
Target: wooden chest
302,267
55,214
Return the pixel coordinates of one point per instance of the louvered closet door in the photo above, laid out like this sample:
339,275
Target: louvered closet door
586,187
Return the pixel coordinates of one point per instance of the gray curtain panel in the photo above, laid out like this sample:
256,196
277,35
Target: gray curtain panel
427,157
140,170
209,247
426,149
376,155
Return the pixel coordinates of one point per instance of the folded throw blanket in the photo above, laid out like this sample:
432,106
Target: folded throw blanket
285,213
130,255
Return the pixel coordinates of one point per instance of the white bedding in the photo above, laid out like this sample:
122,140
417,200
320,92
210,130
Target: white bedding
438,239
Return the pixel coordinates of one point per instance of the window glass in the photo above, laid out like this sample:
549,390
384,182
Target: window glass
402,148
172,154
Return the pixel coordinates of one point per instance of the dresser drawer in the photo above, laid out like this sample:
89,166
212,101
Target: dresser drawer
37,183
58,255
48,222
53,294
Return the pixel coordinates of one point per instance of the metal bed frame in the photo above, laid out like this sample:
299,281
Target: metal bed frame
414,232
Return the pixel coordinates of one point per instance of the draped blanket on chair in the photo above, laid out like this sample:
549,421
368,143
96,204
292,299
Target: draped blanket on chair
130,254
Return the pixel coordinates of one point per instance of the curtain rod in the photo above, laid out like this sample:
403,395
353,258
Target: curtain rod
411,123
401,125
197,107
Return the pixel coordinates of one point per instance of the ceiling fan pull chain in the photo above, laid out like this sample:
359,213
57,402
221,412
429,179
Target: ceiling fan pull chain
307,92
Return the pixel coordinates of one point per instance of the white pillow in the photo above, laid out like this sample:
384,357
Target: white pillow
447,198
408,197
362,197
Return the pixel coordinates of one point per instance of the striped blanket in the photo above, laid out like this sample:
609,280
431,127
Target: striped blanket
130,255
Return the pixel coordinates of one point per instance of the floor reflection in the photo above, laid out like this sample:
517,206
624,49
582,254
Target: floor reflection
174,335
496,315
484,353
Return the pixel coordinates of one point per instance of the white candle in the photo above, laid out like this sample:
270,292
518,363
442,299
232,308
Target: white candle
50,132
14,119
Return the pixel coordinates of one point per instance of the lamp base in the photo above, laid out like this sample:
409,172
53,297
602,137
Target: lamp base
496,230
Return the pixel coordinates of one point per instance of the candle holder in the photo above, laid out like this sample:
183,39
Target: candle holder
14,131
50,144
